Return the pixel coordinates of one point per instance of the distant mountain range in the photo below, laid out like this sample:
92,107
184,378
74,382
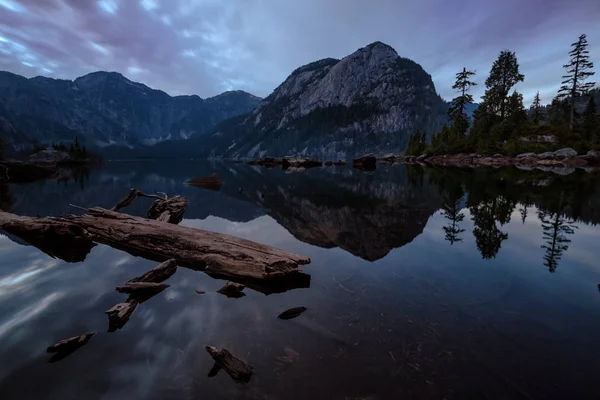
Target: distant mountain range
369,101
105,108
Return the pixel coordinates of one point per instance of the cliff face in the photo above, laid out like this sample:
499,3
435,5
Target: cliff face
105,108
370,101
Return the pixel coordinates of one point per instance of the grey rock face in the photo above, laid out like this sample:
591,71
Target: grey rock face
105,108
546,155
594,153
525,155
370,101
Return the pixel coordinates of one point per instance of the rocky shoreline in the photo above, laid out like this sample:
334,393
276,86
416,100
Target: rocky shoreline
566,158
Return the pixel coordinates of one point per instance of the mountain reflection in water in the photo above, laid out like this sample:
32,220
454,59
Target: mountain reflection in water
426,283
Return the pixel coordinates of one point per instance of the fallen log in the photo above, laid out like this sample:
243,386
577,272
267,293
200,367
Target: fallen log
159,274
236,368
142,288
259,266
57,238
214,253
120,314
210,182
232,290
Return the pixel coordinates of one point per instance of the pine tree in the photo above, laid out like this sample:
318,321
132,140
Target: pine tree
515,110
503,76
578,70
555,230
536,109
456,112
591,120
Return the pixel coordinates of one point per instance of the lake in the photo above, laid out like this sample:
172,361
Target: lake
425,283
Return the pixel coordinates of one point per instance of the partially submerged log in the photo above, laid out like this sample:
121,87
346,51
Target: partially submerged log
367,162
232,290
142,288
236,368
120,314
210,182
68,346
259,266
292,313
159,274
55,237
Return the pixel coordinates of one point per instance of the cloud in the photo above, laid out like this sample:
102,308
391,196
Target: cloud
208,46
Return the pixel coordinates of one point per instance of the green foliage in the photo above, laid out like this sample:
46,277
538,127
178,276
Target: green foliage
456,112
591,122
503,76
535,118
416,144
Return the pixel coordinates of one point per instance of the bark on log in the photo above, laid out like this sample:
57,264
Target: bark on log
120,314
142,288
236,368
210,182
159,274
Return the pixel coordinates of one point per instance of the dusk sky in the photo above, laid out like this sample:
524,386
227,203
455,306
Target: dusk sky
205,47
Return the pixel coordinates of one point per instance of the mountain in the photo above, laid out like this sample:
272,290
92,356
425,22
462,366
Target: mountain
105,108
369,101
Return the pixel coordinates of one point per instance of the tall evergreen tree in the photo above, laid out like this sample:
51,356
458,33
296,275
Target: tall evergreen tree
578,70
503,76
536,109
457,114
555,229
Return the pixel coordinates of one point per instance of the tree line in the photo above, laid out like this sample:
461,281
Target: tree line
501,124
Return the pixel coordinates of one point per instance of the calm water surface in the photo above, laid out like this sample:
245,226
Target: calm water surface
425,284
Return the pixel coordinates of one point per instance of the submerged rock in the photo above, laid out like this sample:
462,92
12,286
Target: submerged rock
292,313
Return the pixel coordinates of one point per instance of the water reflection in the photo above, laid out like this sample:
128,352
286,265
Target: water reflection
426,283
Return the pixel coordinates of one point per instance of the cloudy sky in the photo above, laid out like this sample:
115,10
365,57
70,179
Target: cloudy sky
205,47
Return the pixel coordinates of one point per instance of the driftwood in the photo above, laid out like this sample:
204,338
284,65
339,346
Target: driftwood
119,314
258,266
142,288
232,290
159,274
292,313
67,346
210,182
163,209
236,368
170,210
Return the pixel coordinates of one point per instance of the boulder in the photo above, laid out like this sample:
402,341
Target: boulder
593,154
339,162
367,162
50,156
546,155
524,155
566,152
328,163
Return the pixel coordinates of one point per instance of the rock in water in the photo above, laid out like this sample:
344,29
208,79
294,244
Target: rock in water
232,290
236,368
367,162
68,346
566,152
369,96
292,313
50,155
210,182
